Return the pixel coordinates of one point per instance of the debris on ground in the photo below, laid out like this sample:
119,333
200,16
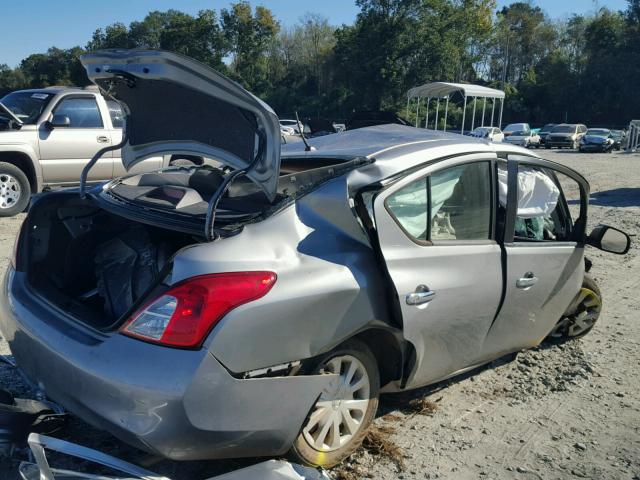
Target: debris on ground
41,470
378,442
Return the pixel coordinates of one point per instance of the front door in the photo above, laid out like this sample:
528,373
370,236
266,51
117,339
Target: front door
64,151
544,248
436,233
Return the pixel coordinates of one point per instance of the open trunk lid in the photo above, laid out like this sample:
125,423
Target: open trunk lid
177,105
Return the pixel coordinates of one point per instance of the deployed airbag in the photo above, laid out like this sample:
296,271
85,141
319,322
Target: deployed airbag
537,192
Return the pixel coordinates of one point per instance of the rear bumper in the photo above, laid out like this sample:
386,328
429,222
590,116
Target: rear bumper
182,404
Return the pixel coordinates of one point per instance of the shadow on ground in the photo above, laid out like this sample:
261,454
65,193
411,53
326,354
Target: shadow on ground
617,197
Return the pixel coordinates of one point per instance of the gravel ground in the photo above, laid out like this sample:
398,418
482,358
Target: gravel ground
559,411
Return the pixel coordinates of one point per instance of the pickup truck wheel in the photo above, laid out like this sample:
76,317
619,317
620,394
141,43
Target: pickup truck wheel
15,190
182,162
584,313
339,420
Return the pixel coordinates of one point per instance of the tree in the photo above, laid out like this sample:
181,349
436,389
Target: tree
249,37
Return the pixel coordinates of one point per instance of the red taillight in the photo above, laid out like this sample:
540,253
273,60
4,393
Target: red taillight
185,314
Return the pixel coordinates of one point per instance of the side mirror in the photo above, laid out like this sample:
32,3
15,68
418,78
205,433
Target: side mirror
609,239
59,121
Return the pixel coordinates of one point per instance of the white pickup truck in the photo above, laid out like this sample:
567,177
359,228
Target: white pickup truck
48,135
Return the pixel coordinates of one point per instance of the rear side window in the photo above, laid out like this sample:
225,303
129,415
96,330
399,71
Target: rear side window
83,112
115,112
451,204
410,206
461,202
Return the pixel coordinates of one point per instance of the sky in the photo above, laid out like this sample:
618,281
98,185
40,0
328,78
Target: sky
32,26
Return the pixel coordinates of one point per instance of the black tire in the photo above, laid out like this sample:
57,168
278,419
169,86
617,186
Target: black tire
15,190
589,302
302,451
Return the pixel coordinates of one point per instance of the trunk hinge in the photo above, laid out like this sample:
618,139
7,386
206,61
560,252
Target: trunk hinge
95,158
209,228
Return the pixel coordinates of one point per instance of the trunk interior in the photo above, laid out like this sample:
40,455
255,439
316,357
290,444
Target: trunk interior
98,266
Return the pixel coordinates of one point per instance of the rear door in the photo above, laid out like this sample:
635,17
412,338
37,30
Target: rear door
544,246
64,151
436,233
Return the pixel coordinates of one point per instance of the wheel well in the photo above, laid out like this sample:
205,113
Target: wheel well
386,348
193,158
23,162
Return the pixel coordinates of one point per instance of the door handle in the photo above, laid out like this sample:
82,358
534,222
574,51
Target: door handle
529,280
102,139
420,296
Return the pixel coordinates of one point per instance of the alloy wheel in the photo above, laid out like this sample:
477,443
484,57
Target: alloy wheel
586,314
339,412
10,191
581,320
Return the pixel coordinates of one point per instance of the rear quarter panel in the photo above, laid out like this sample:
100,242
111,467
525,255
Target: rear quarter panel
328,288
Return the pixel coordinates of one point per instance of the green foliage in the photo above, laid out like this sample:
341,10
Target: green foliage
250,36
575,70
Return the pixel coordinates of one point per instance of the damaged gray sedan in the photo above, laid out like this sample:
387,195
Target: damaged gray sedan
260,304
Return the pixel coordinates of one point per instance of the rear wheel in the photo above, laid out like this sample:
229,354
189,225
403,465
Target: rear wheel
15,190
584,313
340,418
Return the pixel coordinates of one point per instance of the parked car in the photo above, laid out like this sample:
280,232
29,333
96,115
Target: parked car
287,130
619,138
515,127
318,127
48,135
524,138
261,310
292,124
566,135
493,134
544,132
597,140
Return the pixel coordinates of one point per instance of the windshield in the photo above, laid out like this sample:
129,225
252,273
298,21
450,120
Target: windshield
616,133
547,127
481,130
515,127
520,133
599,132
27,106
564,129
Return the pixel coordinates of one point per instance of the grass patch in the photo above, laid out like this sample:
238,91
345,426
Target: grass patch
378,443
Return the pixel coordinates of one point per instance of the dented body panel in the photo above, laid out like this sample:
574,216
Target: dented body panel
182,404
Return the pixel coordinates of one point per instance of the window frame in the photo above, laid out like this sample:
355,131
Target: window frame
55,107
493,185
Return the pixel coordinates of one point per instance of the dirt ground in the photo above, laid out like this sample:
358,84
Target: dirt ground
560,411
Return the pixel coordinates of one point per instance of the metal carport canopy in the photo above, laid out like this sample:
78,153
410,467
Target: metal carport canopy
440,90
